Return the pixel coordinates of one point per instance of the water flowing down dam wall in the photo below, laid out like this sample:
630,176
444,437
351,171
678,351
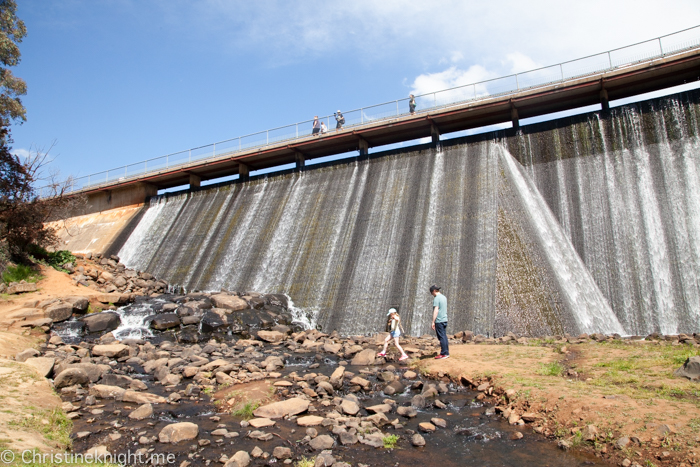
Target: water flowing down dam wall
586,224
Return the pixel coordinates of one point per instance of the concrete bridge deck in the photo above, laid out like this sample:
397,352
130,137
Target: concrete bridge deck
599,88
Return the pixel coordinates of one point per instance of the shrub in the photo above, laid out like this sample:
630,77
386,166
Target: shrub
390,441
20,272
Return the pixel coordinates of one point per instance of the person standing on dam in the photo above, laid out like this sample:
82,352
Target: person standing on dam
339,120
412,104
440,321
316,126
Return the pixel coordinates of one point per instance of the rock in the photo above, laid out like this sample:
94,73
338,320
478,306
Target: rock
240,459
107,392
42,365
271,336
70,377
336,379
516,436
282,452
79,304
309,420
176,432
211,322
110,350
590,433
418,401
261,422
408,412
60,311
260,435
25,354
165,321
229,302
332,348
93,370
380,408
622,443
364,358
530,417
417,440
410,374
690,369
349,407
326,459
102,322
322,442
21,288
439,422
426,427
347,439
280,409
144,411
358,381
142,397
113,298
376,440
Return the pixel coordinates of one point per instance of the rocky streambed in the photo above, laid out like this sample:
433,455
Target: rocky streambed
194,381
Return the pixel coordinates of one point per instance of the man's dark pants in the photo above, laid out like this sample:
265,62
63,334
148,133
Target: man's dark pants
441,331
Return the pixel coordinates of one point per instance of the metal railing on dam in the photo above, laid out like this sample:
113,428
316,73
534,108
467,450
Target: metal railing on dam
357,119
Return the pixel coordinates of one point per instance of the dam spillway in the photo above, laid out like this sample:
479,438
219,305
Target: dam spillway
584,224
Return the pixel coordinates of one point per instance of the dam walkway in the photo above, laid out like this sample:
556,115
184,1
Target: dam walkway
639,68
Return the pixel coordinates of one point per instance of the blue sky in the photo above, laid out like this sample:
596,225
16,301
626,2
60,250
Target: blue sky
112,82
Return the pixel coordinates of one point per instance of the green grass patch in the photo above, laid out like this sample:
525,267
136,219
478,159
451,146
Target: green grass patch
246,410
52,424
20,272
551,369
304,462
390,441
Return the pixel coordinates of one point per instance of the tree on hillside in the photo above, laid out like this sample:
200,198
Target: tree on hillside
22,212
12,31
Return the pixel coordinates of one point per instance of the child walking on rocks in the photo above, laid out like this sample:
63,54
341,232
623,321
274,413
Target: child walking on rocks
395,328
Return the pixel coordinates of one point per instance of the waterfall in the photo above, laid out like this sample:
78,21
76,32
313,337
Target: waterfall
585,224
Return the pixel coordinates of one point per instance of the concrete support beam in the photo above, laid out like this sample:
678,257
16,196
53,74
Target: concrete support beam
300,160
128,195
195,181
604,102
514,116
434,133
363,146
243,171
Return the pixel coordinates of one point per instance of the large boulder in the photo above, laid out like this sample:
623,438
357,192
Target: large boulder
102,322
211,322
240,459
21,288
366,357
93,370
70,377
271,336
142,397
176,432
165,321
283,408
110,350
60,311
690,369
113,298
42,365
229,302
79,304
25,354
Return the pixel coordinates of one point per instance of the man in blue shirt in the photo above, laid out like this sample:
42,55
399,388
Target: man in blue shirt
440,321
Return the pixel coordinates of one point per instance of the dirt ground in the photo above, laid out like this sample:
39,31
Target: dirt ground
27,416
623,389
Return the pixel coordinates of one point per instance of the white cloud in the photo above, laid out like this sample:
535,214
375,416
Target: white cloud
21,153
453,30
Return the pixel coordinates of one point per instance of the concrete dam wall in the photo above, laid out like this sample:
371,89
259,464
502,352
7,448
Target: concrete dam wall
585,224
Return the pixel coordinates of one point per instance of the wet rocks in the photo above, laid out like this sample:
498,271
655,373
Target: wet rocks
364,358
287,407
144,411
165,321
176,432
102,322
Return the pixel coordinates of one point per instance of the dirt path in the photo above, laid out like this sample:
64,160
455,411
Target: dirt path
30,417
626,391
